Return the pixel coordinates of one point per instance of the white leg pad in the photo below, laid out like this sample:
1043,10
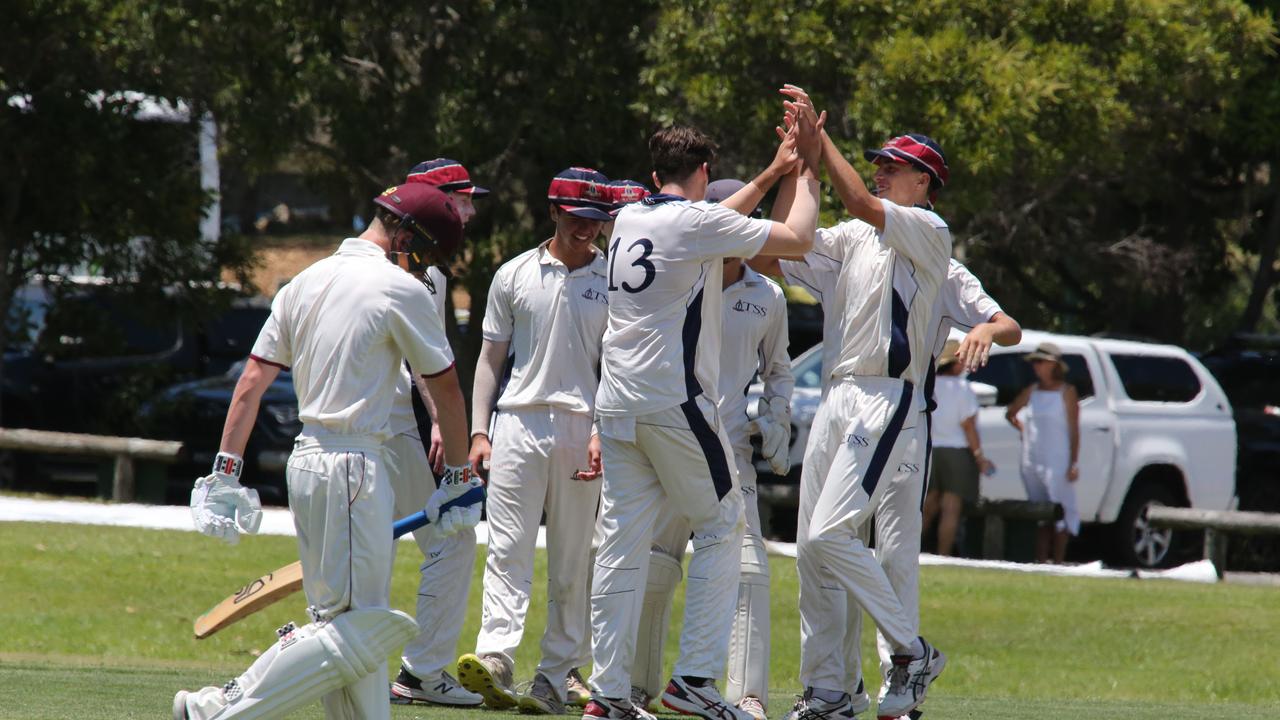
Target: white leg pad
749,644
306,664
665,573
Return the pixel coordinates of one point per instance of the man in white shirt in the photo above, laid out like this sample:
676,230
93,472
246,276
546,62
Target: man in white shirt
546,311
868,446
445,574
344,326
754,341
662,437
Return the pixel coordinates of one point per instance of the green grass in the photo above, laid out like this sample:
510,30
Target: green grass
96,623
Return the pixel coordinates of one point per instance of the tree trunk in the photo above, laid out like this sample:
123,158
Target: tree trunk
1265,278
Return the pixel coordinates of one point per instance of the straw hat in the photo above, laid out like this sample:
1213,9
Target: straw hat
1049,352
948,355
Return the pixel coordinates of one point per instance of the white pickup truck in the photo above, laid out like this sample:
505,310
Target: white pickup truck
1155,428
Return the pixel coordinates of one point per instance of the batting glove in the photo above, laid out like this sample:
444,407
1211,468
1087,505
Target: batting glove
220,506
455,482
774,422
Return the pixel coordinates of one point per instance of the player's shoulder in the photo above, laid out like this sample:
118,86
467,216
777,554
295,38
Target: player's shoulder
523,260
914,214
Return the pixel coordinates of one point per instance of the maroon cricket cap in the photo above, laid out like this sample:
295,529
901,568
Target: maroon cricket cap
582,192
448,175
428,212
625,192
919,151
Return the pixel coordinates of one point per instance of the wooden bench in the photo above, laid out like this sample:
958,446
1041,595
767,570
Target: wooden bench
995,512
1217,525
125,450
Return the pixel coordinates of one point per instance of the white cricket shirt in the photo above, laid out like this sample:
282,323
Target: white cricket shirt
403,420
344,326
754,339
554,319
662,344
956,403
962,304
878,308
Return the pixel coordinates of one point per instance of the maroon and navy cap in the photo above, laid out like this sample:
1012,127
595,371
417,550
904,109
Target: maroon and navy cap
428,213
582,192
919,151
448,175
625,192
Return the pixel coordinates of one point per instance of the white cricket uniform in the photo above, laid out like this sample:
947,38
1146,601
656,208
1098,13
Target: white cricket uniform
554,319
345,326
866,452
754,341
445,578
661,433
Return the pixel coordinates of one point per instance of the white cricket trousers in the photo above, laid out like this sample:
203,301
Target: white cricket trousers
678,459
864,460
535,454
341,497
748,668
445,575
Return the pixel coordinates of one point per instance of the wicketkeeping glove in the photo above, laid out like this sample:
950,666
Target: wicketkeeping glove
220,506
774,422
456,481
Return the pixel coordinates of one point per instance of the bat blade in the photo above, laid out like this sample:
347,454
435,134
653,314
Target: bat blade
258,594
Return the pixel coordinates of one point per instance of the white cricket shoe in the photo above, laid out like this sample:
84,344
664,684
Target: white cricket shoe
602,708
808,707
909,680
442,690
577,692
490,677
640,698
702,701
751,705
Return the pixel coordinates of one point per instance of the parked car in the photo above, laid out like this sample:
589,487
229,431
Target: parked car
1156,428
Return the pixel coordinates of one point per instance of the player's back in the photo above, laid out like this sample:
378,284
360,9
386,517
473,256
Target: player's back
661,346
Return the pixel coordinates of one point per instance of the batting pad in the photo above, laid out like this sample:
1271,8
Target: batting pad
306,664
665,574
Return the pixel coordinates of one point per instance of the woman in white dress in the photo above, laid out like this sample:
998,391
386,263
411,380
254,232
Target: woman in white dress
1050,430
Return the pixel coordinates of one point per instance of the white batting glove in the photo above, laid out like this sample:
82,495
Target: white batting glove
220,506
774,422
455,482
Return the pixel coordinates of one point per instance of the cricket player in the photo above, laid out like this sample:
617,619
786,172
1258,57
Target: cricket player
344,326
663,441
754,341
547,310
868,445
445,579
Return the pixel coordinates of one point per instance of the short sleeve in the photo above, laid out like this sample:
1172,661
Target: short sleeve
499,320
273,345
917,233
816,273
965,304
417,331
725,233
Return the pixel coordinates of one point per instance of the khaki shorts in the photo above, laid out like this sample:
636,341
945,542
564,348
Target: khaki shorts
953,470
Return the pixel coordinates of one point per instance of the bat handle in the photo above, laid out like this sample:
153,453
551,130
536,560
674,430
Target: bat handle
419,519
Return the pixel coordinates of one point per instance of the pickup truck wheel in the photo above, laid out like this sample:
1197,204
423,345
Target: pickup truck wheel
1141,544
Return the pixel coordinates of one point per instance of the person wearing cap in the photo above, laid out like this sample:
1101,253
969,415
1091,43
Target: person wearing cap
343,326
662,437
754,342
1050,428
546,313
416,447
868,446
957,456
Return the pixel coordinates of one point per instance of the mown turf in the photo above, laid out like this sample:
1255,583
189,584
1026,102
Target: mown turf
96,623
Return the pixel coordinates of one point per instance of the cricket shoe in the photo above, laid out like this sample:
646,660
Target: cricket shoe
860,700
577,691
489,676
751,705
640,698
809,707
443,690
909,679
540,698
913,715
700,700
601,708
180,705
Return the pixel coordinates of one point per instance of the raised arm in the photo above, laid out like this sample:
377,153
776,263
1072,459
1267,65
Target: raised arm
798,195
786,159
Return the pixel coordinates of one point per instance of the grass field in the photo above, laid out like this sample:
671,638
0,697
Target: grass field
96,623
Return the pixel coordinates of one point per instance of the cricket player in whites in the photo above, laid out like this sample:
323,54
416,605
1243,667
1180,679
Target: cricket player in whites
754,340
345,325
547,310
445,574
663,441
868,446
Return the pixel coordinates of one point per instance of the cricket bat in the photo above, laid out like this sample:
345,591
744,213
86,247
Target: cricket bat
275,586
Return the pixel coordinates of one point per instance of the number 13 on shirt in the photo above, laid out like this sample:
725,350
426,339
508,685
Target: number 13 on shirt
641,261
